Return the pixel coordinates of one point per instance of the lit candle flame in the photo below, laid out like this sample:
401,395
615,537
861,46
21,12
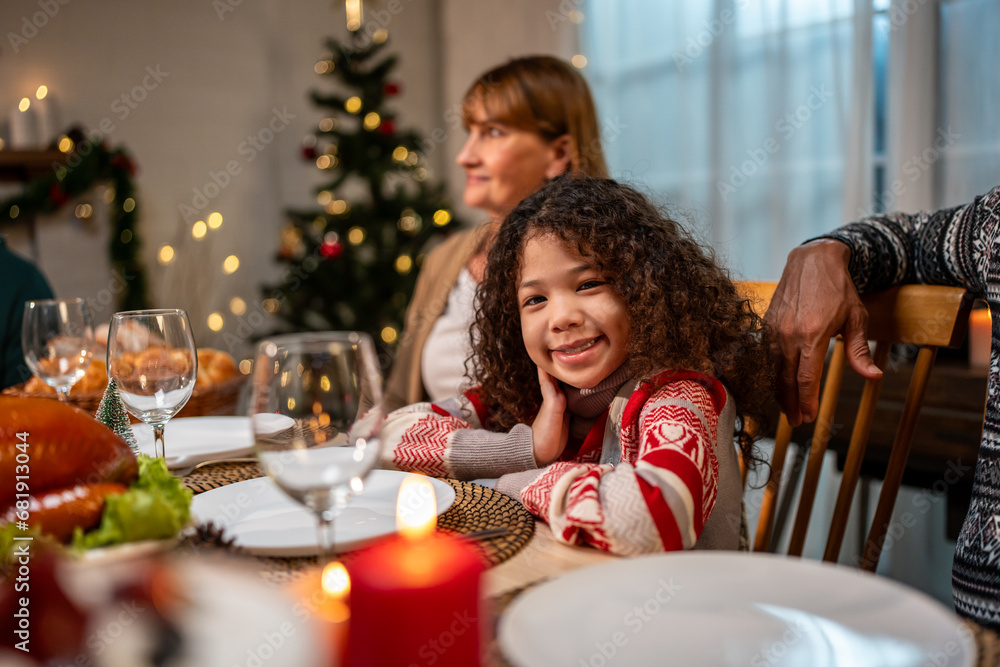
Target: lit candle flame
336,582
416,507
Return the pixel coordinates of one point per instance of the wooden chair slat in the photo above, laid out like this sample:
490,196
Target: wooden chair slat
765,525
817,448
855,455
897,458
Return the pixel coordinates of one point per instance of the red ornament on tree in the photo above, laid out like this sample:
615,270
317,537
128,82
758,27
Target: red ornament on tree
56,195
308,153
388,126
331,250
121,161
391,88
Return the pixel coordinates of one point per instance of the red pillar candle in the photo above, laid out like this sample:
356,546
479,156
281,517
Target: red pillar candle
415,601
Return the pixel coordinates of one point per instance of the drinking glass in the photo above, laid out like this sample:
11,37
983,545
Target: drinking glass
57,336
329,384
152,358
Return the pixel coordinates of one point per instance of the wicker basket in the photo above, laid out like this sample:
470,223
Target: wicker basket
216,399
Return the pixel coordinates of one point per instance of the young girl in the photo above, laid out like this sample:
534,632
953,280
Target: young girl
612,357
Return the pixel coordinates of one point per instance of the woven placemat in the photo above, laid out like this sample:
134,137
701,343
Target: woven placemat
220,474
475,508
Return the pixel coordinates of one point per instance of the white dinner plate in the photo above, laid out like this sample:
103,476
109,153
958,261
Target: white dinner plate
190,440
716,608
266,522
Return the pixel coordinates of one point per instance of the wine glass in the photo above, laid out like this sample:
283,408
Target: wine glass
152,358
57,336
328,387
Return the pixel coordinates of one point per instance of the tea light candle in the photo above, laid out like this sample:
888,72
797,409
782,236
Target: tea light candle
324,594
980,337
415,598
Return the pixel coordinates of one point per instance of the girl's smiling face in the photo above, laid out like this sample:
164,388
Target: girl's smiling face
574,324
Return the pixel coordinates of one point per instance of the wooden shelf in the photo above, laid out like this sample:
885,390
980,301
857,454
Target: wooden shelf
24,166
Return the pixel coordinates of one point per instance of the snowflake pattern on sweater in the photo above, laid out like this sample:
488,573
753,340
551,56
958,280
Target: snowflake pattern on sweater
956,246
657,497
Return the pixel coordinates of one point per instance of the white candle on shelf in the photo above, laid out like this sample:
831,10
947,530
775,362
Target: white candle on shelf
45,113
23,126
980,338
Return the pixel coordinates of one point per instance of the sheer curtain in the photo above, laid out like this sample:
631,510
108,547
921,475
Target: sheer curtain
968,90
738,112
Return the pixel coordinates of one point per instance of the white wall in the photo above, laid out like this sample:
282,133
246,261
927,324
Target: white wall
223,77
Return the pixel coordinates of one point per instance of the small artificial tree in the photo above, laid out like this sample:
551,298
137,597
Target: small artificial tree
111,412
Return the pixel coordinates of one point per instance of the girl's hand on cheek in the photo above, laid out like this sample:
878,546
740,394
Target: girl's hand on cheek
550,429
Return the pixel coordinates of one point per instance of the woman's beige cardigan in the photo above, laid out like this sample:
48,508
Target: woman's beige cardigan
438,276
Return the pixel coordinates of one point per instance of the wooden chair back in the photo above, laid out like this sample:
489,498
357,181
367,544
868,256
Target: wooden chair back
929,316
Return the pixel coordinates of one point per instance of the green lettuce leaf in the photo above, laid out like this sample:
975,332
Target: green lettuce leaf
155,507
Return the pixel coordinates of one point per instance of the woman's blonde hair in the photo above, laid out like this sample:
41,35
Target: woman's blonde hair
544,95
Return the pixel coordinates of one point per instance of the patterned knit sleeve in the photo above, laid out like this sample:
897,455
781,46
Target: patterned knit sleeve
947,247
446,439
661,502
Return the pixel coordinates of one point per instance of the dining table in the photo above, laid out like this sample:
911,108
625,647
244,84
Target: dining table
522,558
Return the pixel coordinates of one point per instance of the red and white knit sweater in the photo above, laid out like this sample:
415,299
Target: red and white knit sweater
641,474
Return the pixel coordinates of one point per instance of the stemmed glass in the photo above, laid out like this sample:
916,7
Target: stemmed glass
329,384
152,358
57,336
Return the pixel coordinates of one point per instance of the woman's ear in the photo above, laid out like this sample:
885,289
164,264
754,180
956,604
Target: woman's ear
562,150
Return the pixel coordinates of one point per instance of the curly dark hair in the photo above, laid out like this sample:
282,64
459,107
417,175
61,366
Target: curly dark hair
684,310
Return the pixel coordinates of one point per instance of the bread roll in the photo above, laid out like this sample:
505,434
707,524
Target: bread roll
66,446
215,366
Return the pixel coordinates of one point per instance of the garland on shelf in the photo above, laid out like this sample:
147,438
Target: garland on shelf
87,164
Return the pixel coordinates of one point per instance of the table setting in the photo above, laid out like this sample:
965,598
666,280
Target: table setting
272,537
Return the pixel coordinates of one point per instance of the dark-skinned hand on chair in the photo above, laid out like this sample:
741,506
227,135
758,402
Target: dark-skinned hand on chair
815,300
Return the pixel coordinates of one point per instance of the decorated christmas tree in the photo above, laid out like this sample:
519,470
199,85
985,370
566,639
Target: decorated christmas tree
111,412
353,262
